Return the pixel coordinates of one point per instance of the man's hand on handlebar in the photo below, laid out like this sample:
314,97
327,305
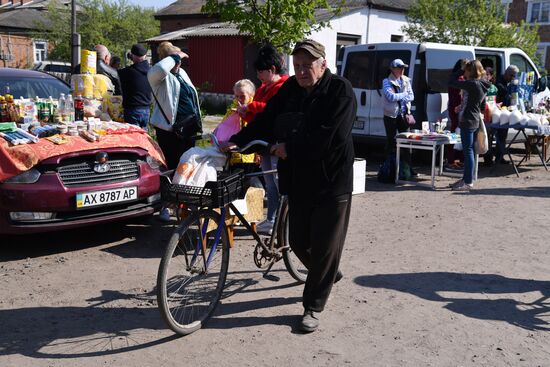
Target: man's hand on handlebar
279,150
227,146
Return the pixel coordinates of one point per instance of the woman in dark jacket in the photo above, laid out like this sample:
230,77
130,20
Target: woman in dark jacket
455,99
470,116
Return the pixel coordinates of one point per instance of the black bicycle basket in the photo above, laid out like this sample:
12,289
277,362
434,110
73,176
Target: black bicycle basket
214,194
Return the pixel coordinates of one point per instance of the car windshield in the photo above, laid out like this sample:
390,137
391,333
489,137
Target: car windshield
33,87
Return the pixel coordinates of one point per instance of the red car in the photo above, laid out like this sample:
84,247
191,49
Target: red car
76,188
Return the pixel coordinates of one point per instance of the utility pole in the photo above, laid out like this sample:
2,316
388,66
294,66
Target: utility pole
75,38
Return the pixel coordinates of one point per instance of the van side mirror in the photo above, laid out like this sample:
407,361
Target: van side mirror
542,83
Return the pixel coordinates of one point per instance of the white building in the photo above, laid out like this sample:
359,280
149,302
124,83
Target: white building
362,22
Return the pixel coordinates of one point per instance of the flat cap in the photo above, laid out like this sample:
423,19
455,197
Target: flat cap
138,50
313,47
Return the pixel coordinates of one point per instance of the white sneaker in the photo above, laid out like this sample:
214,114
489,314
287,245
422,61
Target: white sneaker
165,215
463,187
265,227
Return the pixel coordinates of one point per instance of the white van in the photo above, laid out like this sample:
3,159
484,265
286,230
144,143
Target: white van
430,66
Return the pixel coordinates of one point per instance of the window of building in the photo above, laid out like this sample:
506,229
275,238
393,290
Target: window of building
397,38
40,50
539,12
343,39
541,54
506,4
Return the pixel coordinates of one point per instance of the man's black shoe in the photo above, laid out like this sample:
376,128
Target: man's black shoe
504,161
339,277
310,321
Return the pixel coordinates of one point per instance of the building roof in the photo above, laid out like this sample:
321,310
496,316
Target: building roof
29,16
34,4
182,7
23,19
193,7
203,30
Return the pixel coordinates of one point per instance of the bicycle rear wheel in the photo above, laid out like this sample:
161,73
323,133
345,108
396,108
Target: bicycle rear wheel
293,265
192,272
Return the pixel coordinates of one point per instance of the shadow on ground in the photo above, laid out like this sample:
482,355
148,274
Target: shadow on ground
134,238
475,293
116,322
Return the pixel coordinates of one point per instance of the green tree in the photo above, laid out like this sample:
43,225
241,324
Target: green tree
115,24
469,22
280,22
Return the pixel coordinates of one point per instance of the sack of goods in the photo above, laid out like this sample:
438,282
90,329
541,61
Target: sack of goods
197,166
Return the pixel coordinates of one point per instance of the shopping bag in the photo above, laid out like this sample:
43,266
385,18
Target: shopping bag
228,127
386,173
481,145
197,166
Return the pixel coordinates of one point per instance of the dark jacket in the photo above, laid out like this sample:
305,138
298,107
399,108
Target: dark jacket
136,90
317,131
473,103
111,73
502,95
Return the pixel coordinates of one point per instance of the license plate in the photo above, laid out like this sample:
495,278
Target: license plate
105,197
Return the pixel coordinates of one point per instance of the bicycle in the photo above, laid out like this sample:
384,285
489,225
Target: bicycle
194,267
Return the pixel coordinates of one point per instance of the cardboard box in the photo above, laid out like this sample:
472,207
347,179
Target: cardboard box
359,174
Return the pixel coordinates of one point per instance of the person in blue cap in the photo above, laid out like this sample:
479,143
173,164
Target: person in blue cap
398,95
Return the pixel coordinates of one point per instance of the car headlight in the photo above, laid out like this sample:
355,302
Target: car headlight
27,177
153,162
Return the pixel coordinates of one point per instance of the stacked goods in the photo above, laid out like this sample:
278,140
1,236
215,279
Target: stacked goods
513,116
93,92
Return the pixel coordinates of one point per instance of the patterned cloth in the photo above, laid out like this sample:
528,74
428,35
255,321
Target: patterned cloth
17,159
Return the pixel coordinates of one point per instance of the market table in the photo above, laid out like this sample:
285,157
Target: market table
540,138
435,145
17,159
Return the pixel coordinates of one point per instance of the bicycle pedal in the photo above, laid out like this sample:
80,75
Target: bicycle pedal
271,277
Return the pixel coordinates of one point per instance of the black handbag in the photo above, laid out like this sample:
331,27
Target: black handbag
187,127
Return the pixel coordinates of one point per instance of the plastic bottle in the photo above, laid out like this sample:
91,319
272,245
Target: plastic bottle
61,106
79,108
69,108
3,110
51,107
514,89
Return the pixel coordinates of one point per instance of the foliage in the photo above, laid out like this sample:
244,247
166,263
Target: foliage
113,23
279,22
469,22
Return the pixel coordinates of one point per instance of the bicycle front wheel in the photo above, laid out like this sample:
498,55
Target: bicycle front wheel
192,272
293,265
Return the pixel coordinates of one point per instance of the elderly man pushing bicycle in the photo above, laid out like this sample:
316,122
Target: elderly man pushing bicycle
309,122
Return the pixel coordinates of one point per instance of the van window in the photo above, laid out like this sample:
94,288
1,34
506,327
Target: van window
58,68
367,69
440,61
492,61
382,64
521,62
359,67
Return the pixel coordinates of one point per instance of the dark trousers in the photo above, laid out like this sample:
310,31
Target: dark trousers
393,125
172,146
137,116
317,234
498,153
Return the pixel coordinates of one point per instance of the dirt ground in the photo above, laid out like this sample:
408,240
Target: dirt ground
432,278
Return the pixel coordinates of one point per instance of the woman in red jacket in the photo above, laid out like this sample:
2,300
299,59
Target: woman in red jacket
270,70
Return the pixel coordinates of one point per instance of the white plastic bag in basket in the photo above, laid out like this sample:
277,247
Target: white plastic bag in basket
197,166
